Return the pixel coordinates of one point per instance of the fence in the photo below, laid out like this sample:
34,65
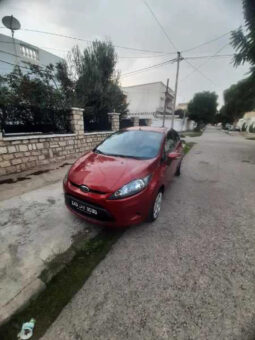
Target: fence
125,123
20,153
31,119
143,122
96,123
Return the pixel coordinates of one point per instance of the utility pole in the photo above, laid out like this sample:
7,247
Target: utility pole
179,58
165,105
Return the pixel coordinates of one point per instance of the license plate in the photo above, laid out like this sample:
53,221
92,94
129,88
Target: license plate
83,207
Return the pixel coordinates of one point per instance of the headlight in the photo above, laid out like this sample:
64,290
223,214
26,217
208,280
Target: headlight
131,188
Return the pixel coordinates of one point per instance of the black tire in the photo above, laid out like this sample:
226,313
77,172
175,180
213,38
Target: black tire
152,216
178,170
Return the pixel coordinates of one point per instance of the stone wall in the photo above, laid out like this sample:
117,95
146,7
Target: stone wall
18,154
24,153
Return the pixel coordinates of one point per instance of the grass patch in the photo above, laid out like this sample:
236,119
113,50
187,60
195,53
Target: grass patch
48,304
251,138
188,146
191,134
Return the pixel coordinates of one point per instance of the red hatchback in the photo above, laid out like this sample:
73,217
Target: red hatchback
121,182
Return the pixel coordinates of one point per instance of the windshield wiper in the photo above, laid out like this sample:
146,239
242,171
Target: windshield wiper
99,152
123,156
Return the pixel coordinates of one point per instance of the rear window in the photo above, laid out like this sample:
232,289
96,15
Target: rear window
132,143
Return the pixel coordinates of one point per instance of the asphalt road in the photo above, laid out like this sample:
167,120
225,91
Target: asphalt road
191,274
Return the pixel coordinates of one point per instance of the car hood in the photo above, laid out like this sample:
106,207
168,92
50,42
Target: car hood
107,173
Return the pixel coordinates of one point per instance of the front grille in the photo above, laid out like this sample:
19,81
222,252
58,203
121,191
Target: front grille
102,214
90,190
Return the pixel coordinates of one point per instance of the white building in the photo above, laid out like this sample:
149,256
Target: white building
148,99
20,53
247,122
147,102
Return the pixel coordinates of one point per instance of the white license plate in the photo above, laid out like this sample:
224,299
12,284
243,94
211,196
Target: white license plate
83,207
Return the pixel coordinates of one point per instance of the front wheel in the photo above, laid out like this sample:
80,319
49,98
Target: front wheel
156,207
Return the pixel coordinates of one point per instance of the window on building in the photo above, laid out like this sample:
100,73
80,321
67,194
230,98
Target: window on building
29,52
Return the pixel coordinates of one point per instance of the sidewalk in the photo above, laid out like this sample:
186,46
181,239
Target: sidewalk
35,227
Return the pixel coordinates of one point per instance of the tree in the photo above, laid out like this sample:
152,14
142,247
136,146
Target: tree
97,87
244,42
33,98
37,87
238,99
203,107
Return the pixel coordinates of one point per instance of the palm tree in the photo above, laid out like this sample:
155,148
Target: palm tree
243,39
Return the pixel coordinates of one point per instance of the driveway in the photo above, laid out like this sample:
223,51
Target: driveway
191,274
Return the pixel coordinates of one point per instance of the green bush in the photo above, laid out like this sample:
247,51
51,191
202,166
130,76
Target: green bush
244,127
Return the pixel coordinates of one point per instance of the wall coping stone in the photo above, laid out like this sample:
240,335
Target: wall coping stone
98,132
113,113
11,138
77,109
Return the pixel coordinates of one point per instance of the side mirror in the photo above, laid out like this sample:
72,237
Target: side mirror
173,155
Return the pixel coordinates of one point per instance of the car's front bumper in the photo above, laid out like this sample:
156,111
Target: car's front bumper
116,213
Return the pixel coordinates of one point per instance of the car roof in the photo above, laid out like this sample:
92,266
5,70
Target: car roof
163,130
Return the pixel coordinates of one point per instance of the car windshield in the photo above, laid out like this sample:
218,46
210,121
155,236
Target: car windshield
132,143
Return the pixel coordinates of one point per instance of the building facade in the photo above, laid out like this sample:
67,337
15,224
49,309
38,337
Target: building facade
147,100
247,122
17,52
182,106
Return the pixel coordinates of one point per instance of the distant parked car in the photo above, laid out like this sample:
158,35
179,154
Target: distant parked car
122,181
227,126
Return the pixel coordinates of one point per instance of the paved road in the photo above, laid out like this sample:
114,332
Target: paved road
190,275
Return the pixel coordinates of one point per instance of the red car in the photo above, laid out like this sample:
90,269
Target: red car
121,182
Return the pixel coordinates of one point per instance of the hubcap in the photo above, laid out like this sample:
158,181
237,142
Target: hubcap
157,205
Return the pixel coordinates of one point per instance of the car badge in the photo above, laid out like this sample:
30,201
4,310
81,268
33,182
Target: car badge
84,188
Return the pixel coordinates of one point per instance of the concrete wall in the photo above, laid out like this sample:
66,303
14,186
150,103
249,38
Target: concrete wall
18,154
147,98
179,124
6,45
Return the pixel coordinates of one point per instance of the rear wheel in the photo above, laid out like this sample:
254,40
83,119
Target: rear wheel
156,207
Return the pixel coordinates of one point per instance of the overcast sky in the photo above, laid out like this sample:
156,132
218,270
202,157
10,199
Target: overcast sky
129,23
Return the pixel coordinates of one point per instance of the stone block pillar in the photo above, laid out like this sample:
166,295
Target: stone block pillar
135,121
76,121
115,120
149,121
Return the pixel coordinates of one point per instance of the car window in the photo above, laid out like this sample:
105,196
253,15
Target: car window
132,143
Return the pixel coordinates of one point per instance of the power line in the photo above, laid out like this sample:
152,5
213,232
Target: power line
43,68
173,60
145,68
145,57
206,42
203,64
172,44
209,56
121,57
7,62
89,41
161,27
197,70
